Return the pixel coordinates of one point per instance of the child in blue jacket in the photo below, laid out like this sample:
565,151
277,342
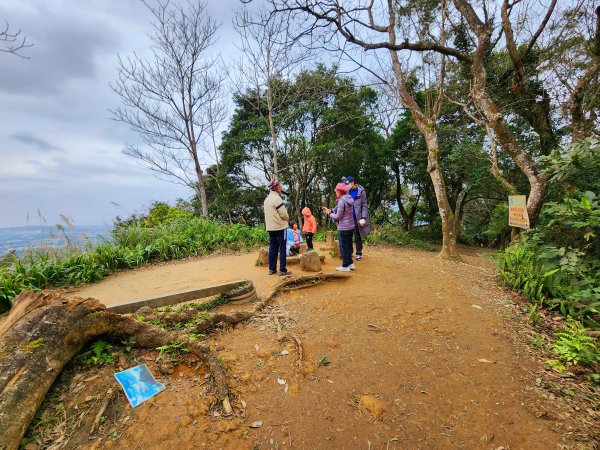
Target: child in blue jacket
294,239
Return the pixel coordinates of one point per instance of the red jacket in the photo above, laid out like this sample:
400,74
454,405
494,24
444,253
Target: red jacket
310,223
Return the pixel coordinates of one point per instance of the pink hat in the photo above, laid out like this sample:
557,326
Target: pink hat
274,185
341,187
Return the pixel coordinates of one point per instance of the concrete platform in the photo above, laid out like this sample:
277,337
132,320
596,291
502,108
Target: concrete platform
174,297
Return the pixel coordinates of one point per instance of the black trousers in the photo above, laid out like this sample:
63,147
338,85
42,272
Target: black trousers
277,248
345,239
357,239
309,244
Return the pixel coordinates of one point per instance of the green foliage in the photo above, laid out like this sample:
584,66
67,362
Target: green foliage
324,361
535,317
577,168
133,244
574,347
497,228
174,349
98,354
128,343
557,263
326,130
523,271
394,235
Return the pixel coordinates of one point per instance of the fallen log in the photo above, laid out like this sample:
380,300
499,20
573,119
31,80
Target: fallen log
43,332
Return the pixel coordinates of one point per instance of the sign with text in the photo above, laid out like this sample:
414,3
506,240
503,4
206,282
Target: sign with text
517,211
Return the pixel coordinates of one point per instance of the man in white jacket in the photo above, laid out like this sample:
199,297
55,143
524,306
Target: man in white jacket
276,221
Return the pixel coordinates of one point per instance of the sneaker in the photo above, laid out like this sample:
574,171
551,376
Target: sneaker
272,272
342,269
358,257
284,274
351,266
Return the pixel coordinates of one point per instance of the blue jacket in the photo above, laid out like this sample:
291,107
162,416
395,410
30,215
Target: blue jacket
290,239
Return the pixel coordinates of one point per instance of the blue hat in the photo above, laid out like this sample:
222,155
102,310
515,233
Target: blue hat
349,180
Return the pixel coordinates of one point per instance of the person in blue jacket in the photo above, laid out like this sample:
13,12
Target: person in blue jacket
294,239
361,213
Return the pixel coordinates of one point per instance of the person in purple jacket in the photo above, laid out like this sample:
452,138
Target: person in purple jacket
344,219
361,213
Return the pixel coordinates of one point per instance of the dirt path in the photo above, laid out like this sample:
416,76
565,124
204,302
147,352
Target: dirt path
422,354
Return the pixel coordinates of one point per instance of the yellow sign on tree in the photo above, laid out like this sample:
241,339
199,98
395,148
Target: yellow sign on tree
517,211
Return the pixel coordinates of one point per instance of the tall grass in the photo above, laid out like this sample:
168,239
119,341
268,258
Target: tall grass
131,246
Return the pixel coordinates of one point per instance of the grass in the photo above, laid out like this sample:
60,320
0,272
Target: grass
131,246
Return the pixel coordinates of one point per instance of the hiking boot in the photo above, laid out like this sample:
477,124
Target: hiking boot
285,274
358,257
351,266
272,272
342,269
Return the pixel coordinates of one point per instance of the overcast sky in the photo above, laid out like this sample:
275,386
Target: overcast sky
59,150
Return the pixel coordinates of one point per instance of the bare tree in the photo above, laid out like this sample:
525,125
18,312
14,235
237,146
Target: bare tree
269,58
173,99
12,41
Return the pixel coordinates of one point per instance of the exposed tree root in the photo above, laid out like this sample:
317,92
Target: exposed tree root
201,321
43,332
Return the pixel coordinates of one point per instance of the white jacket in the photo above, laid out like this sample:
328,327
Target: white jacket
276,216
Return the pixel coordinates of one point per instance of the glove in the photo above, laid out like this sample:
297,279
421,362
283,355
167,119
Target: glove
362,222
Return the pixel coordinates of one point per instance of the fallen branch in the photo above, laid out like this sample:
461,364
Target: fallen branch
103,406
299,349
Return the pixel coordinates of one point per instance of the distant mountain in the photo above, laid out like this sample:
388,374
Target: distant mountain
19,239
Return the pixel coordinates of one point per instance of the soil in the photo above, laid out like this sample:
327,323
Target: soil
410,352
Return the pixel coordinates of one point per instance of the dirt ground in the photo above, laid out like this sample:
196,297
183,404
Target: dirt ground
410,352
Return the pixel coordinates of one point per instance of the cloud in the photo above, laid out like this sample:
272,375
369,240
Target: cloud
33,141
59,150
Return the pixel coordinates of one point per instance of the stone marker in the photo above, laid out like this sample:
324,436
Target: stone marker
297,259
263,257
332,246
329,239
310,262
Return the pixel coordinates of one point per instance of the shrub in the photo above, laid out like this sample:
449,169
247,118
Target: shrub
574,347
133,244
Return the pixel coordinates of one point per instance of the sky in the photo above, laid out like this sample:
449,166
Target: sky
60,153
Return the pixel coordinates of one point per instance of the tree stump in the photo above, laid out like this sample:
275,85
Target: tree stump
263,257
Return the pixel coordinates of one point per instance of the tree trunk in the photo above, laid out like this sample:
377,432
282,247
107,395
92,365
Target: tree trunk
403,213
449,233
201,185
581,126
538,181
427,126
272,129
43,332
202,192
